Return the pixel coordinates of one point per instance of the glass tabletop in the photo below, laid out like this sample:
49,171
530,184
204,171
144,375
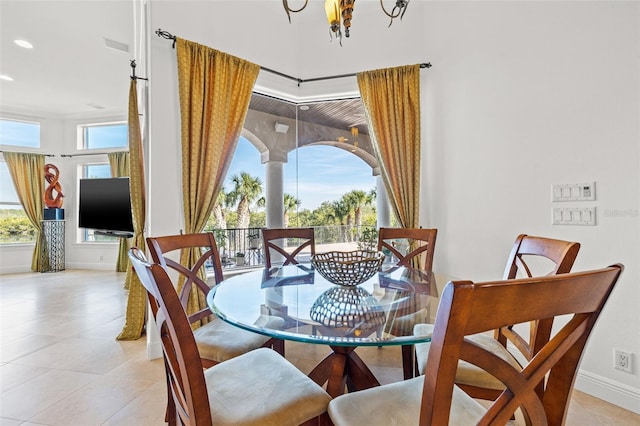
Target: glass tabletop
294,302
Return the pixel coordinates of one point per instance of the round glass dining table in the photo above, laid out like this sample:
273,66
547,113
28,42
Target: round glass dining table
295,302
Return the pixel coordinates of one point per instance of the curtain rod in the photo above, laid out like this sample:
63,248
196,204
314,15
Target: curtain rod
168,36
89,153
21,152
69,155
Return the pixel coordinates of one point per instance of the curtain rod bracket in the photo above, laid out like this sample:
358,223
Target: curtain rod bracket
167,36
133,71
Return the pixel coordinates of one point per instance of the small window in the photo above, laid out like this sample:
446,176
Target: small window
100,136
96,171
19,133
15,226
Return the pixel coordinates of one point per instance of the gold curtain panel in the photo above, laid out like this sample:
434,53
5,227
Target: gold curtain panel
137,299
27,173
215,90
119,162
391,98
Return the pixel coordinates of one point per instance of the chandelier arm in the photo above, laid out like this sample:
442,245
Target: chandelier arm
285,3
392,14
404,9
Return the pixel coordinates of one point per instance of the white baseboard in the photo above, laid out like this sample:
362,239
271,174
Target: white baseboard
17,269
98,266
608,390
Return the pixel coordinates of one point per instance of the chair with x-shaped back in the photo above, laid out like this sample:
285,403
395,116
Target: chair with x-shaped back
538,393
217,341
411,247
277,249
256,388
407,244
530,256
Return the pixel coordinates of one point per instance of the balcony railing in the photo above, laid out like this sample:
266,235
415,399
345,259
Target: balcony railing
242,247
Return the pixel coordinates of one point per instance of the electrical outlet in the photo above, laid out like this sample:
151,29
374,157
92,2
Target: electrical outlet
622,360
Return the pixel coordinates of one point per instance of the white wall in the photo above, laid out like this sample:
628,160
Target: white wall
521,95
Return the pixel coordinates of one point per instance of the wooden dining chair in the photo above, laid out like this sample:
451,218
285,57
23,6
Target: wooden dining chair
541,389
530,256
217,341
258,387
419,247
419,243
276,244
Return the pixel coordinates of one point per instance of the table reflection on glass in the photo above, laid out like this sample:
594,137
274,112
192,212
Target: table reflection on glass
380,312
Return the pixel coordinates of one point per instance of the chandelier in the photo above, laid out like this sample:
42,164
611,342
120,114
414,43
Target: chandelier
339,13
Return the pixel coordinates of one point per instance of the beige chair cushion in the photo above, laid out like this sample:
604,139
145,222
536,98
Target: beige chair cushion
398,404
220,341
271,392
467,373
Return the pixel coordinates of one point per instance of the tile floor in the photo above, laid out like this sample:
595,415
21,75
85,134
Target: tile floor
61,365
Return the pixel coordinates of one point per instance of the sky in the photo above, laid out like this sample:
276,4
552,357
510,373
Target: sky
324,173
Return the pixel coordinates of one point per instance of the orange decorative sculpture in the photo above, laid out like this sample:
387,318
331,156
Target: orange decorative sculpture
54,185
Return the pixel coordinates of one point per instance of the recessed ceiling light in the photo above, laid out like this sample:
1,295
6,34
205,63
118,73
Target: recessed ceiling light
5,77
304,107
23,43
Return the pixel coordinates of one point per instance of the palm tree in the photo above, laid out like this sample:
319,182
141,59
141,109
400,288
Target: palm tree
358,199
246,189
291,203
341,211
218,210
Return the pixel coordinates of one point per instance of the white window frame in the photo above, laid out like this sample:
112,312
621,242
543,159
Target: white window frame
25,121
81,132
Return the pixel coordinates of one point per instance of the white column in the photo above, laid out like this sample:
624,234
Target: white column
383,206
274,183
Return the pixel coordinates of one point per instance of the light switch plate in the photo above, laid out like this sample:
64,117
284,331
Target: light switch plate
573,216
573,191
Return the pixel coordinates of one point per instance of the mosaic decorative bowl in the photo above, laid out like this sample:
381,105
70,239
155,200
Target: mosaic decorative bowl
351,307
348,268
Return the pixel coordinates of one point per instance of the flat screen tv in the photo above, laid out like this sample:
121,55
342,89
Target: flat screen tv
105,206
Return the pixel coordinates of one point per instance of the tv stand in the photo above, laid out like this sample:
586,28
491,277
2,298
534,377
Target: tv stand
52,246
119,234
